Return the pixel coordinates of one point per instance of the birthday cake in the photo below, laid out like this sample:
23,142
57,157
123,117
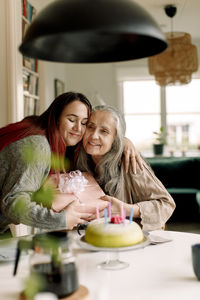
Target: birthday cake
114,233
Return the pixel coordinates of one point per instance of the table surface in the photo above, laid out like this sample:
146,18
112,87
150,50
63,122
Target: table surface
162,271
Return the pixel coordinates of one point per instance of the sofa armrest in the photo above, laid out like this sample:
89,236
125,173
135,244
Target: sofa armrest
184,191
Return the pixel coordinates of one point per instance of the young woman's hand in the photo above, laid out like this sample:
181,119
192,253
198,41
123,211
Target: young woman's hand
75,217
131,156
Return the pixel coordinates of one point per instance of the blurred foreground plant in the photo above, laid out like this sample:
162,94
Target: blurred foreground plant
45,195
33,285
58,163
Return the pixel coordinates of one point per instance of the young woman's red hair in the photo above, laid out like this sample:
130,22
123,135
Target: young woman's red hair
46,124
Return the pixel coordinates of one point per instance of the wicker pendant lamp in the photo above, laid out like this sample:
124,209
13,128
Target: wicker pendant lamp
176,64
92,31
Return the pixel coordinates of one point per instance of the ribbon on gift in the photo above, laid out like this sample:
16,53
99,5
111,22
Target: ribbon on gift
72,183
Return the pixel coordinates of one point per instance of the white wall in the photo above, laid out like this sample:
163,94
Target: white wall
3,72
50,71
96,81
10,61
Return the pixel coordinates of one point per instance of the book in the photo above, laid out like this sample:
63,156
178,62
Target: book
36,107
24,11
27,62
29,105
26,80
29,12
25,26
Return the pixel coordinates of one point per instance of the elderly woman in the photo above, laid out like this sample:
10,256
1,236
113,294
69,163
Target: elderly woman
101,153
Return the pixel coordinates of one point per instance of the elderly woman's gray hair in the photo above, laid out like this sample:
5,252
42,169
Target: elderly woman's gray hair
108,167
117,115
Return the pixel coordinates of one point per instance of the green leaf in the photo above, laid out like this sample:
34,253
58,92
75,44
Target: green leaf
44,196
33,285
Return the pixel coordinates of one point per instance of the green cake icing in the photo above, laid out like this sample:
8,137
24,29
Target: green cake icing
113,235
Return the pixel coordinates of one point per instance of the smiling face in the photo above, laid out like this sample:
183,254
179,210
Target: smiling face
72,122
100,134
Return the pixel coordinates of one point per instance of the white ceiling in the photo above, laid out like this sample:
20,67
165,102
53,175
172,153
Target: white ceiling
187,18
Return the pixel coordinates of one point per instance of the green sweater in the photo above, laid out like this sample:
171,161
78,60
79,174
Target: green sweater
20,179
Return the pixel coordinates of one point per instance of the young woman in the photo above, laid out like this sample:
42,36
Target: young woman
100,154
62,125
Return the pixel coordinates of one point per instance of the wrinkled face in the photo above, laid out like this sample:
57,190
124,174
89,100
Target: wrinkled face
72,122
100,134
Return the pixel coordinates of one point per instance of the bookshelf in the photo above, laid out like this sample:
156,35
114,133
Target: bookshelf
30,67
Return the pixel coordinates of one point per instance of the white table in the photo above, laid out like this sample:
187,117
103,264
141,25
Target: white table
157,272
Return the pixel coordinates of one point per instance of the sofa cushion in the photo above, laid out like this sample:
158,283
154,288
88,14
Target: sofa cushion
187,208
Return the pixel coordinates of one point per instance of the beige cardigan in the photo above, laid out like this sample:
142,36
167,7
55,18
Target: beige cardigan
155,203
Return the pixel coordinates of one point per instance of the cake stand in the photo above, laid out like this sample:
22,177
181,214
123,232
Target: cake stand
112,261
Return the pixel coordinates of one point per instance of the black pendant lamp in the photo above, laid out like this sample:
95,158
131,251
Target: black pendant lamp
92,31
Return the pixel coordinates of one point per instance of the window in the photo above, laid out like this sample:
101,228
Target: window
142,111
146,109
183,113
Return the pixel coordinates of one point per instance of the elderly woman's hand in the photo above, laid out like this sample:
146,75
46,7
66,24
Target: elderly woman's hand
116,206
131,156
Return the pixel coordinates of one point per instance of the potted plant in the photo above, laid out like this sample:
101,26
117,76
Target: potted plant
160,141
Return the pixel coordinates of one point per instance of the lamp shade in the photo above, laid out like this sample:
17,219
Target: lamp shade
176,64
92,31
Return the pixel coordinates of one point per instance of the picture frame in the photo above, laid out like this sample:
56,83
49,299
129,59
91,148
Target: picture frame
59,87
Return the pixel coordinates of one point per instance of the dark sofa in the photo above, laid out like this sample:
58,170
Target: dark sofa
180,176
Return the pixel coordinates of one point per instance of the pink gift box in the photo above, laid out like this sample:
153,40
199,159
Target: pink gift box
89,198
